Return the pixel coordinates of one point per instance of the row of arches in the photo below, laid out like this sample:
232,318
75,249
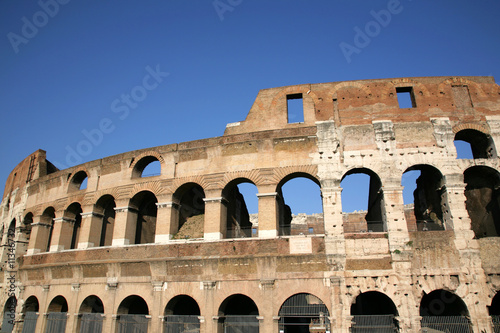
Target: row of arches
429,209
302,312
469,144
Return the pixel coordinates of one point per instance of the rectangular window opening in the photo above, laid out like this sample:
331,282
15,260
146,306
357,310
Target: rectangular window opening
295,108
406,98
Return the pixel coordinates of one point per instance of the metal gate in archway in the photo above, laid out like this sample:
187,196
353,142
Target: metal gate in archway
453,324
304,313
132,323
29,322
374,324
181,324
91,322
240,324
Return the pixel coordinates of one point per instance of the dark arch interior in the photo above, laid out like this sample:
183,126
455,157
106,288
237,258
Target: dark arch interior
182,305
144,164
133,305
106,206
10,305
483,200
429,199
74,212
31,304
494,308
48,217
191,211
373,303
58,304
481,144
146,217
442,303
92,304
12,228
374,218
26,226
238,305
238,218
78,182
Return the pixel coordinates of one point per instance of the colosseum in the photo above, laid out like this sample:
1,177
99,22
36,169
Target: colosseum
105,247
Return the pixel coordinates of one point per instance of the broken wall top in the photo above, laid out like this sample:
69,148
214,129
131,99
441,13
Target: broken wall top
361,102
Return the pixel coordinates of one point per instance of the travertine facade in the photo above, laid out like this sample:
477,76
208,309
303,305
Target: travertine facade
111,248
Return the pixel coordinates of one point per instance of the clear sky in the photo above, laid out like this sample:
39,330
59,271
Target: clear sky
194,66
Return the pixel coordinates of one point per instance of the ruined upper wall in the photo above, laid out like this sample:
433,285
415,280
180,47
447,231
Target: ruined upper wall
32,167
361,102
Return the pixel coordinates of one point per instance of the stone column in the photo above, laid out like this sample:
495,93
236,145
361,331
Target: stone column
266,323
468,249
40,232
397,230
91,228
73,308
41,322
334,226
125,226
157,310
109,323
268,214
167,221
455,206
494,123
209,310
62,234
337,307
215,218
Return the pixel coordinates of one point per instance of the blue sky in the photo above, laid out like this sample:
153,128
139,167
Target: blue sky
66,65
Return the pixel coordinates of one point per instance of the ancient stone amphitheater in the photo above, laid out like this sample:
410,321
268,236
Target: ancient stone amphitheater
103,247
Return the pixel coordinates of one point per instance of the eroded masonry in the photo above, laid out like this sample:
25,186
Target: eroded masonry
107,247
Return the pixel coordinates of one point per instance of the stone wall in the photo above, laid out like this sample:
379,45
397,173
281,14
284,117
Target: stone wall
120,240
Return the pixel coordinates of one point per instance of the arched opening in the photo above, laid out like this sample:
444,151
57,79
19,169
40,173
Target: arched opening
494,311
133,314
482,191
181,315
152,169
425,198
372,310
473,143
25,234
11,232
73,214
90,315
10,244
147,166
47,219
145,204
105,206
300,205
57,315
30,314
78,182
362,202
191,211
238,219
304,313
9,314
444,311
238,313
